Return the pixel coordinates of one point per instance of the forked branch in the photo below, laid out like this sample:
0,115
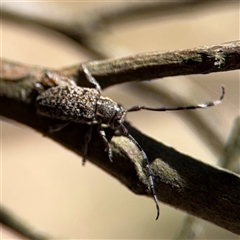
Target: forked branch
181,181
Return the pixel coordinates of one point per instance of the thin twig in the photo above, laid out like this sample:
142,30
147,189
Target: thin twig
152,65
231,156
19,226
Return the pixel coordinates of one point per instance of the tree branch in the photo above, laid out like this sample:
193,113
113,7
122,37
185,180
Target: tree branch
181,181
146,66
193,227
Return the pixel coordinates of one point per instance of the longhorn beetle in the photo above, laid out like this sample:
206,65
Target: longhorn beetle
70,102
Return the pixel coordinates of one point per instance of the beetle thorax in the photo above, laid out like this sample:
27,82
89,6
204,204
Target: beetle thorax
110,113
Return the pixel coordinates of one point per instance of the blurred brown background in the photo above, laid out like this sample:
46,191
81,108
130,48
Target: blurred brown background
46,185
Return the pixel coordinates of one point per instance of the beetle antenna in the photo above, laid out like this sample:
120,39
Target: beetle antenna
146,166
148,173
161,109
